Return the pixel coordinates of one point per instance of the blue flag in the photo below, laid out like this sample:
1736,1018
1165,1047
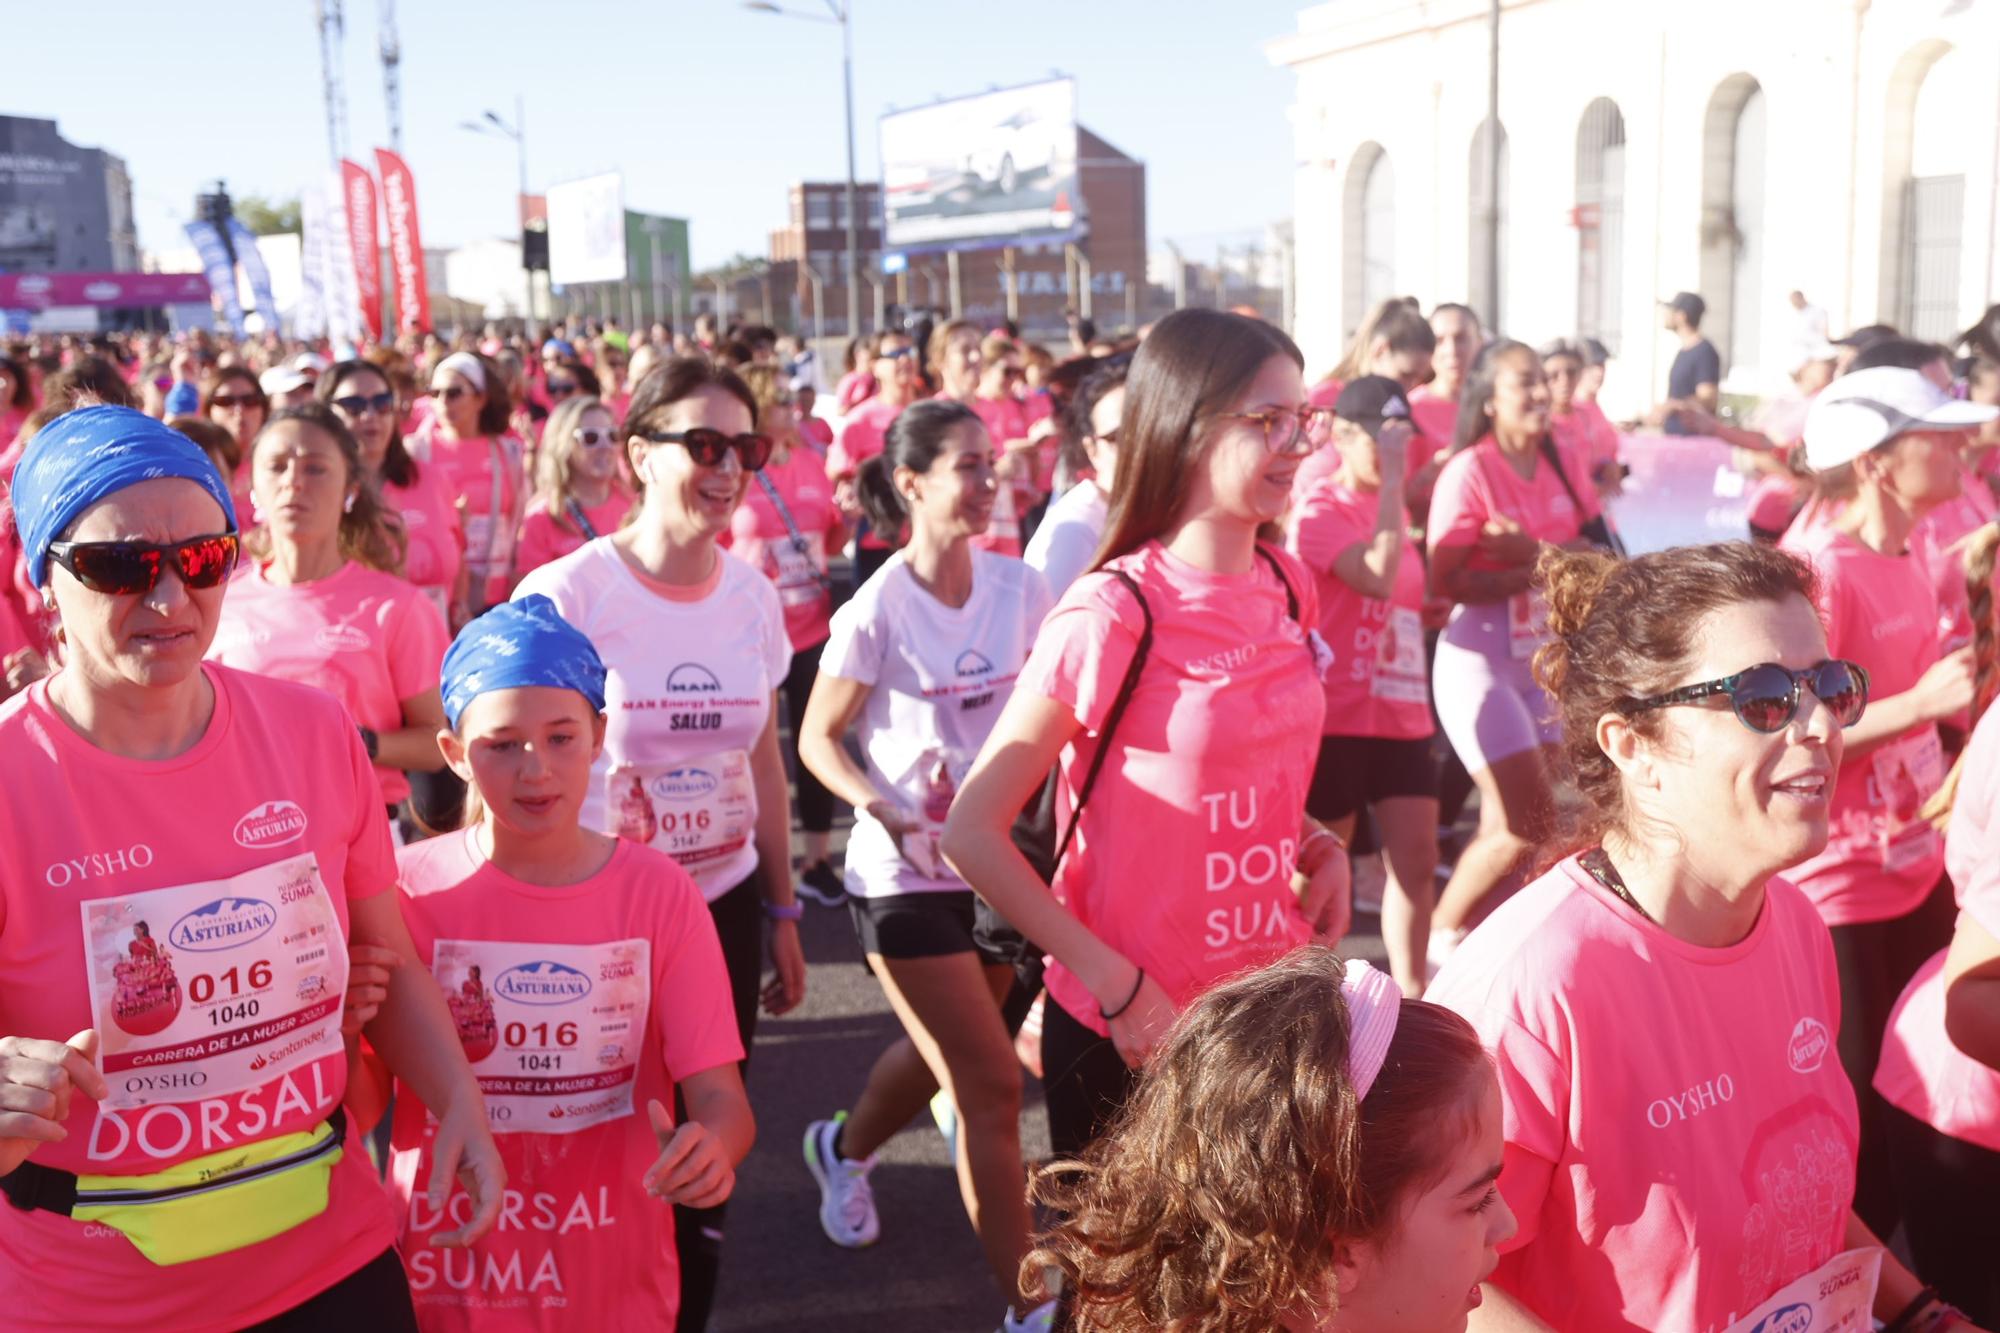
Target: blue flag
221,275
252,259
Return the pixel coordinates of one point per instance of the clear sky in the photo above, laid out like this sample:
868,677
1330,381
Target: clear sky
710,111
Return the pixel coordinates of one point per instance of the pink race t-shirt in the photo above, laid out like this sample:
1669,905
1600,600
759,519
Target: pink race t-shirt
1436,420
1882,857
759,534
1922,1072
1184,860
577,1006
1480,484
543,539
367,638
167,904
1680,1135
861,436
1939,541
434,537
486,476
1379,684
1006,419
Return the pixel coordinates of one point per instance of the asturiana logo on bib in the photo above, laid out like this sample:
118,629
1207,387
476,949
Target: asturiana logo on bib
692,678
271,824
223,924
685,784
1791,1319
1808,1046
343,639
541,982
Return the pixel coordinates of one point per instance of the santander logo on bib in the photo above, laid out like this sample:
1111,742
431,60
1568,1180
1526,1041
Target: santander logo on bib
223,924
542,982
1808,1046
272,824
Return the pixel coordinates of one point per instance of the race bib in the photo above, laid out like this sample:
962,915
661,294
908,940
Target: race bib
482,536
218,987
1836,1297
1527,623
797,573
1903,775
553,1031
699,812
1399,659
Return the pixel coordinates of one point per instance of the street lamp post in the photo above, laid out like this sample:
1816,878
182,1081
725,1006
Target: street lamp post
838,11
490,123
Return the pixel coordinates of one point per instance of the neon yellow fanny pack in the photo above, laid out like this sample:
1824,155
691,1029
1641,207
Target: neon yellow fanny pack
204,1206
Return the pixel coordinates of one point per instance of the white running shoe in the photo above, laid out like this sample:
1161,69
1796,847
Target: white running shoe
1038,1320
846,1203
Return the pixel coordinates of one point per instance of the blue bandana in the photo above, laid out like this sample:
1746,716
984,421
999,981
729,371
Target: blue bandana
83,456
523,642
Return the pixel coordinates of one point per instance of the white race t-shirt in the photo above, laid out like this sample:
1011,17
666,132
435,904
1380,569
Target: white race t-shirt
687,695
940,676
1068,537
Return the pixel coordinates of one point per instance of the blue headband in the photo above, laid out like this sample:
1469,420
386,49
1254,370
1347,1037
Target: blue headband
523,642
83,456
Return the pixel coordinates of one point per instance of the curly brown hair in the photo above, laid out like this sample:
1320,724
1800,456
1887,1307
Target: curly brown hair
1217,1201
1620,630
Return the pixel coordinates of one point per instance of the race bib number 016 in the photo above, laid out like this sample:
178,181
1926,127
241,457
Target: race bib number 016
552,1030
701,812
214,988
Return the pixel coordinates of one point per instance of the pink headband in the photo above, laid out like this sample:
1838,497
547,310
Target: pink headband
1373,1001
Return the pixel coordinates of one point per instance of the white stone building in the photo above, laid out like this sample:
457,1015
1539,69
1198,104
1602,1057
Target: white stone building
1741,149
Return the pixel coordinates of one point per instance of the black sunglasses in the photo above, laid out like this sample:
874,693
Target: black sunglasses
356,404
122,569
1766,697
561,388
708,447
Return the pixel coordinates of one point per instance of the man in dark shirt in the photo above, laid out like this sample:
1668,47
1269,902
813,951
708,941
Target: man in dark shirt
1697,370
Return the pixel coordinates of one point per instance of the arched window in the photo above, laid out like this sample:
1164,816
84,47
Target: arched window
1732,222
1600,222
1489,210
1935,87
1369,263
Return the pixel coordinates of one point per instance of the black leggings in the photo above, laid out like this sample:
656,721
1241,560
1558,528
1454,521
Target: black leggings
1084,1081
375,1296
1950,1225
739,924
1876,960
815,801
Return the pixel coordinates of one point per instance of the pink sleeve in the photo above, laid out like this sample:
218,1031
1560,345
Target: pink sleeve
1534,1095
1325,529
840,460
691,1000
1459,505
533,550
1085,645
416,646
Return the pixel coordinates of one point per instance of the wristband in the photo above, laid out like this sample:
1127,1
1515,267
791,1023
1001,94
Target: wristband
784,911
1137,982
1906,1320
1323,832
369,742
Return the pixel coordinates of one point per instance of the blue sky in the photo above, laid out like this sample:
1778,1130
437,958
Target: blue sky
708,110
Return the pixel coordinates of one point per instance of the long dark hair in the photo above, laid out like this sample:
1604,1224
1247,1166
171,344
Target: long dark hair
398,468
1475,401
1195,364
915,439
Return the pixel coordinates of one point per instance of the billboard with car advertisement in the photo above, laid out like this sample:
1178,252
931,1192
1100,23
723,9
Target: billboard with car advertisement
992,169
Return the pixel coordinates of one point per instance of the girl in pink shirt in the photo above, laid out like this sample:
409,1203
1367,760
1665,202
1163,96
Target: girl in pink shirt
473,444
1017,436
195,913
578,497
588,990
956,358
1664,1010
317,602
1179,867
1376,747
1578,427
1506,494
860,439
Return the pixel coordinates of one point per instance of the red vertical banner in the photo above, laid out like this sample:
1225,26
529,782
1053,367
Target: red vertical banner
357,192
406,242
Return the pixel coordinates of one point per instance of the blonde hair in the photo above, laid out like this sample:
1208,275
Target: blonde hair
558,453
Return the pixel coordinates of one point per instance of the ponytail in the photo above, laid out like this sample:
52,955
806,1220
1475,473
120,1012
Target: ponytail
875,490
1980,554
916,437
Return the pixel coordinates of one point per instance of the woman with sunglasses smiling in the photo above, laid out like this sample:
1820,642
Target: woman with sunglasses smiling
472,442
694,643
1183,663
578,496
184,850
1891,439
233,399
1662,1006
320,602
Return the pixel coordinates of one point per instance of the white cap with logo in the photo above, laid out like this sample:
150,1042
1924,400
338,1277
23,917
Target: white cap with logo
1866,408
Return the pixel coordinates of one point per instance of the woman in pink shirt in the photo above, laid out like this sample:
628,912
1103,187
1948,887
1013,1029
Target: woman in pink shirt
589,993
234,399
472,443
1396,343
1506,493
956,357
1581,432
196,910
1179,867
860,439
1307,1152
1663,1008
1455,340
1018,437
578,495
1351,532
319,602
1892,438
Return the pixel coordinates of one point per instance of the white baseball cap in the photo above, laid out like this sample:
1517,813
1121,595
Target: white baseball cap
281,380
1866,408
